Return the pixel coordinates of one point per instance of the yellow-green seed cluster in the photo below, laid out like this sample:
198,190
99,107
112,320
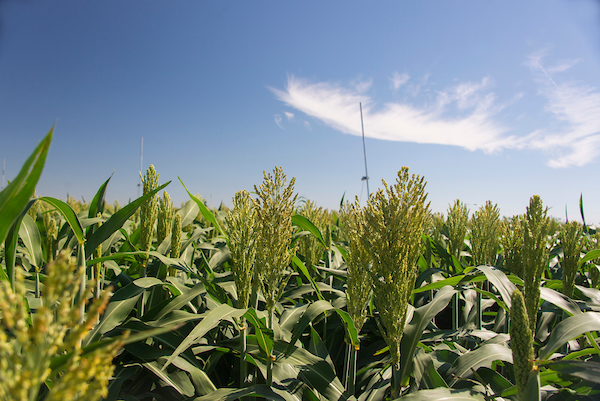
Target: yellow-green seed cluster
484,234
457,221
521,341
149,209
535,254
27,346
309,246
571,239
274,209
241,233
394,221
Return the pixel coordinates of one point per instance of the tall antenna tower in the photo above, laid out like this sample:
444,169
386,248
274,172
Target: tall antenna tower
366,177
141,158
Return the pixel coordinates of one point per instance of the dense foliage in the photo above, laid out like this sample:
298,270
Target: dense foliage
283,300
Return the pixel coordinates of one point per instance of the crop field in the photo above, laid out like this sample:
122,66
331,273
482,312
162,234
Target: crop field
279,299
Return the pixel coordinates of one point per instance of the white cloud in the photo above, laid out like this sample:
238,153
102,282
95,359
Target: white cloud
337,107
463,115
289,115
307,125
575,138
278,120
398,80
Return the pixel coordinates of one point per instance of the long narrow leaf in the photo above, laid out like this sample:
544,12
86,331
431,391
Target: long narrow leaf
208,215
69,216
570,328
116,221
15,196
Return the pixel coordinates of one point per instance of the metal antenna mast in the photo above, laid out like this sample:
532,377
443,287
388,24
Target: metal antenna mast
366,177
141,156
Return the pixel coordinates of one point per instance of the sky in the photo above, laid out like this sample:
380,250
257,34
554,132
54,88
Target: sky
488,100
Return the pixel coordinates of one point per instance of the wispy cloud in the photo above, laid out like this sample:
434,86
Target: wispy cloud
397,80
337,106
289,115
278,120
574,139
465,114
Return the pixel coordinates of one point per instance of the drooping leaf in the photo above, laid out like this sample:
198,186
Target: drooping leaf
306,225
213,319
443,394
69,215
586,370
121,304
483,356
570,328
208,215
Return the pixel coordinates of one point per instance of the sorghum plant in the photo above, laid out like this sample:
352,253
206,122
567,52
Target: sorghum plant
393,224
309,246
521,341
165,218
484,234
28,346
274,209
240,227
358,286
149,209
511,239
535,254
457,220
571,239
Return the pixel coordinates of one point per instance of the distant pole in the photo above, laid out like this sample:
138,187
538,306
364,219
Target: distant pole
3,168
141,157
366,177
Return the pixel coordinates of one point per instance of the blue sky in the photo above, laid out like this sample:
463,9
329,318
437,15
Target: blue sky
487,100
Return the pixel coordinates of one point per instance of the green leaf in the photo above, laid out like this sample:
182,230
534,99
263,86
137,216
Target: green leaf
300,364
315,310
586,370
533,391
15,196
116,221
121,304
570,328
30,234
414,330
208,215
499,280
69,216
213,319
302,267
443,394
306,225
97,205
232,394
483,356
188,213
264,335
560,300
176,379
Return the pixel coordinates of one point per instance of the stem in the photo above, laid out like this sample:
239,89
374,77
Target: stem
81,267
396,380
350,371
37,283
243,346
269,360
